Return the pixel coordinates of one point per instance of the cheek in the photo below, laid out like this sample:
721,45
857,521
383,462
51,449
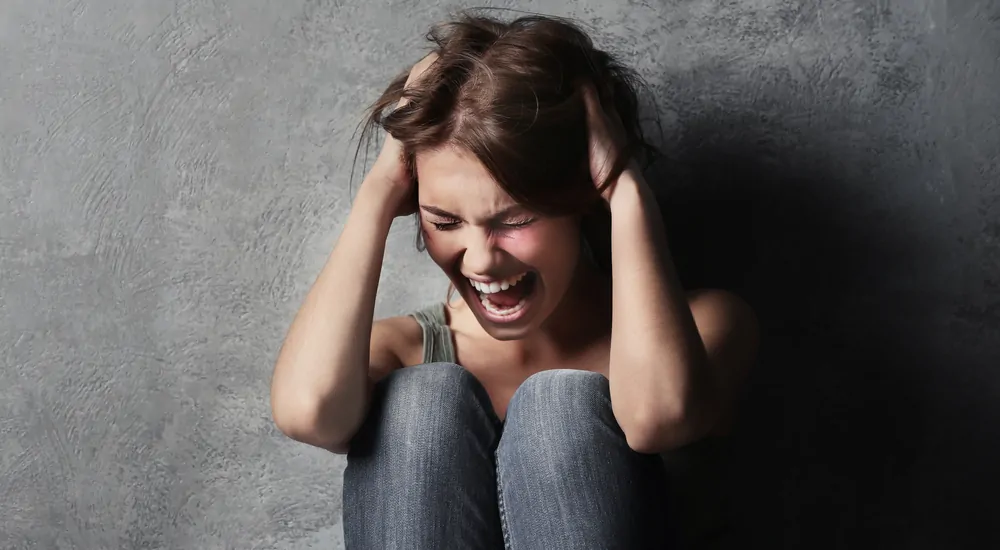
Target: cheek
436,246
545,248
527,244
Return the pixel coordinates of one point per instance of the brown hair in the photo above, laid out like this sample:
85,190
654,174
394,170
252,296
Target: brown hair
508,92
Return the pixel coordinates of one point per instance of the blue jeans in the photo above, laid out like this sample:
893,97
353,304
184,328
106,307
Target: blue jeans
434,468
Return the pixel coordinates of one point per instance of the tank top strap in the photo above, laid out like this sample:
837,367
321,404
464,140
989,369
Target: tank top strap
438,344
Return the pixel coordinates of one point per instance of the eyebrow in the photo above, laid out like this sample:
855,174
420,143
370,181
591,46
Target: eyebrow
445,214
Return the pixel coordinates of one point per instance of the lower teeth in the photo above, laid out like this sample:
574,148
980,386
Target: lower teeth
501,311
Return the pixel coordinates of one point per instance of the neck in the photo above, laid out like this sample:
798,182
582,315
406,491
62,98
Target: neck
583,314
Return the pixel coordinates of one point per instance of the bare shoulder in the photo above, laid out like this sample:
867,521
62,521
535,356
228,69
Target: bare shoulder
729,329
396,342
717,305
400,332
728,326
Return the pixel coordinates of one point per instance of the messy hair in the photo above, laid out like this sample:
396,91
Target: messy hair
508,93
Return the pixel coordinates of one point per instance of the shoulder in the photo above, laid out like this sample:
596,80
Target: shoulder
398,329
730,331
395,342
716,304
723,314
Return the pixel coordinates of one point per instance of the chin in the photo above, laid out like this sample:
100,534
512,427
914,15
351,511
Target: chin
504,334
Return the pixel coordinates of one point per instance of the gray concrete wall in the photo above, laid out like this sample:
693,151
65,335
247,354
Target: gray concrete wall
173,175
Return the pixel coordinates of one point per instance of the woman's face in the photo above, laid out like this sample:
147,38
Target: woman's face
511,265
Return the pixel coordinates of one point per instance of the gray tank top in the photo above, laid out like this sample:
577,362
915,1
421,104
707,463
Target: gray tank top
438,344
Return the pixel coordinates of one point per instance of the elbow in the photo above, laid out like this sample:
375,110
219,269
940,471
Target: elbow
652,431
301,420
295,419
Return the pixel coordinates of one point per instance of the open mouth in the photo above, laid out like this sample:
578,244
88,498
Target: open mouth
505,300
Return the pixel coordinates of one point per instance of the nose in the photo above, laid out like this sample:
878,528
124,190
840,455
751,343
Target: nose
481,256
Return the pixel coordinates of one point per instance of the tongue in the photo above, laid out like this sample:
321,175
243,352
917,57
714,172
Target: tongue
510,297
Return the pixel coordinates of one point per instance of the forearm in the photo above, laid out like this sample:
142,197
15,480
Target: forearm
321,376
659,376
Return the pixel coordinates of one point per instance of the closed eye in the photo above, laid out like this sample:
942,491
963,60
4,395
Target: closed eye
452,224
445,226
519,223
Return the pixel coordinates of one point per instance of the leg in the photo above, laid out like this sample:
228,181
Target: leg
567,477
420,472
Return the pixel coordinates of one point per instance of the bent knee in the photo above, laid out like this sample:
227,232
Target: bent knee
562,392
431,401
566,400
410,392
418,381
557,416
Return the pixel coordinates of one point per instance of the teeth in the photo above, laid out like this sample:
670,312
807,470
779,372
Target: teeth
502,312
496,286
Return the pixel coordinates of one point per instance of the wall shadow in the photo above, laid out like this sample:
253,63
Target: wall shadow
838,424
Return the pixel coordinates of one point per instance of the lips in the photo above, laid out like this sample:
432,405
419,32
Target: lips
498,303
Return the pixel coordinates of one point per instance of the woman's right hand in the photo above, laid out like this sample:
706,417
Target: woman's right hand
390,167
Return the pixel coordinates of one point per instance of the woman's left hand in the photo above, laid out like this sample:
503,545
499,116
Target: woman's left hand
606,137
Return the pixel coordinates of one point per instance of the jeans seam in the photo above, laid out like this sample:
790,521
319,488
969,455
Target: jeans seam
503,514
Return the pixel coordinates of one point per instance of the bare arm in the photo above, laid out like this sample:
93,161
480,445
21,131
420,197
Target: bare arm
677,358
321,382
658,362
333,351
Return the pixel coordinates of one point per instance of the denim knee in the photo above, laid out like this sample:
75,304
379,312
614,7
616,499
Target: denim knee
567,477
563,408
420,471
562,392
429,407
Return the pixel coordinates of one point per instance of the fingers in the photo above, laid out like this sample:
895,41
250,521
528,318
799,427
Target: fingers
600,120
595,107
590,99
418,69
604,114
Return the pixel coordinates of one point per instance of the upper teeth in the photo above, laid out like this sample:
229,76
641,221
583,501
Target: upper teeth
496,286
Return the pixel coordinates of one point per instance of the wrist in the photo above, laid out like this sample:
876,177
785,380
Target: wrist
628,177
379,199
628,190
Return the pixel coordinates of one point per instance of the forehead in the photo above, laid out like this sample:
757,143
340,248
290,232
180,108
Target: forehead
456,180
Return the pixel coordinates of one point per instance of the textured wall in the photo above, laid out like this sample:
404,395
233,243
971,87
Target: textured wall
174,174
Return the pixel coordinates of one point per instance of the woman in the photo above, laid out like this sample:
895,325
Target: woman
527,412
